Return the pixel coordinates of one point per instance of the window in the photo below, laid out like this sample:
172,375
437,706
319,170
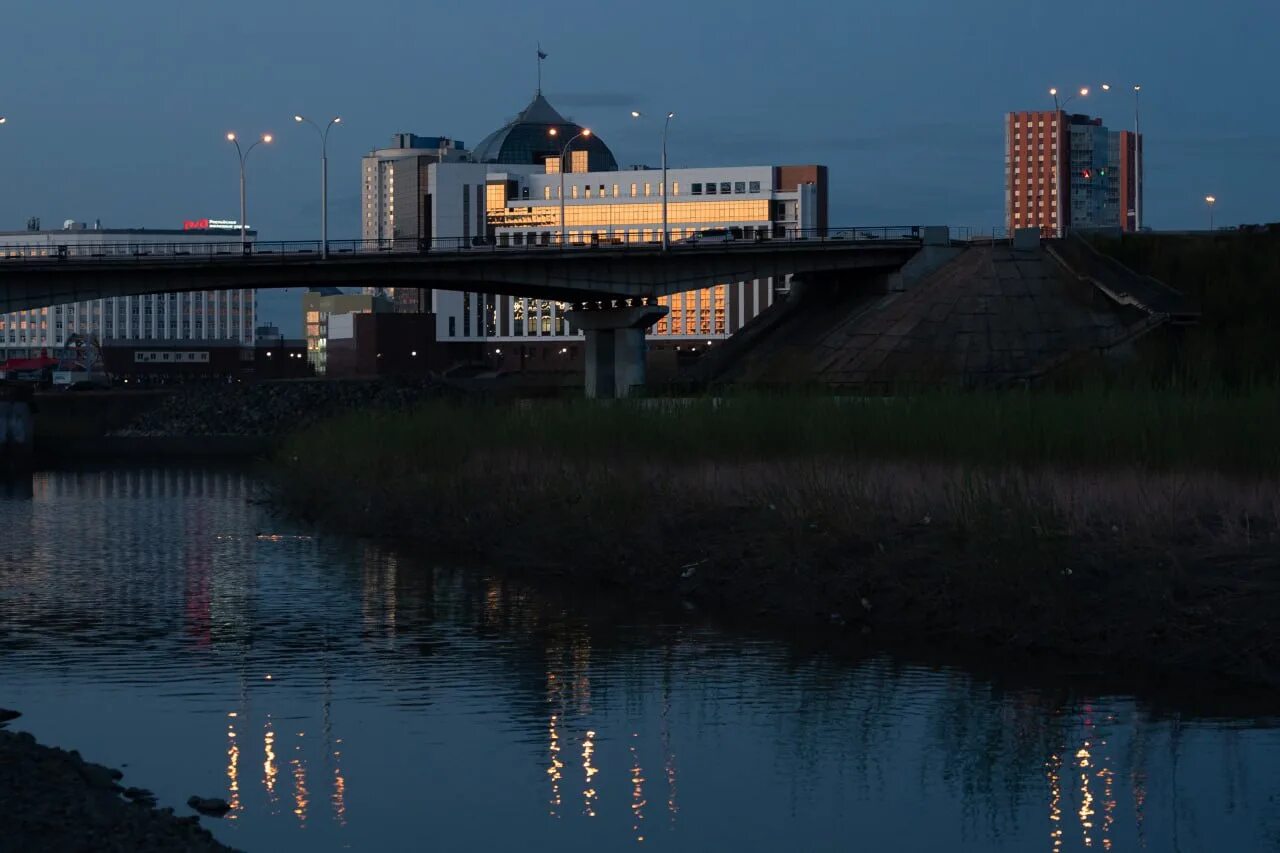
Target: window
453,327
573,191
696,189
740,187
546,193
711,189
754,186
675,188
633,190
603,194
724,188
648,188
616,194
575,195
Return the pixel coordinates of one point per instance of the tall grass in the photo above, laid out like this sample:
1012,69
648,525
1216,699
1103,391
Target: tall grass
1159,430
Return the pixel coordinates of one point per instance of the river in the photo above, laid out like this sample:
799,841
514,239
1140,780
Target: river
341,697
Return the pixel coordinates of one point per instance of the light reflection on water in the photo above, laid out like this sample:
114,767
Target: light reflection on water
341,698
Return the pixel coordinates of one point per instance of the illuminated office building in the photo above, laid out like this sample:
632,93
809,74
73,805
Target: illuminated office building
223,315
506,193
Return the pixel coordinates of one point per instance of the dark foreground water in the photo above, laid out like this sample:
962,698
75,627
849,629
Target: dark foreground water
344,698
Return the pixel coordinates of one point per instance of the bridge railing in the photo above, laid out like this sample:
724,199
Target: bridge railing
169,252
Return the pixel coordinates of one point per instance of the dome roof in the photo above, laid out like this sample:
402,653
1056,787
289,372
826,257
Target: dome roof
527,140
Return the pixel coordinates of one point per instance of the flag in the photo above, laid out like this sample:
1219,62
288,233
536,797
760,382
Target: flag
541,55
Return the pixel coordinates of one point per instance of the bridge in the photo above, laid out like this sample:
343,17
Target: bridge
612,285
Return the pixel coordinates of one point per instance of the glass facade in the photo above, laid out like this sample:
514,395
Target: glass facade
643,213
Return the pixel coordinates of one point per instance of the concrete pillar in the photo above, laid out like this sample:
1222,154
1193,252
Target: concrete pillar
615,347
1026,239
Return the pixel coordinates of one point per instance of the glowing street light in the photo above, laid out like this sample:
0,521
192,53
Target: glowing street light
1057,153
585,132
1137,155
1210,201
666,125
324,177
244,155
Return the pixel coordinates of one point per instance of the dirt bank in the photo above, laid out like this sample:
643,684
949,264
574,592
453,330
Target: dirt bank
53,800
1173,575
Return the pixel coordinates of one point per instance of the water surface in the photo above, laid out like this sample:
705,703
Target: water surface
344,698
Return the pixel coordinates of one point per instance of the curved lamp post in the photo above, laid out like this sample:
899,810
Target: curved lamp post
586,131
324,177
666,125
244,155
1057,170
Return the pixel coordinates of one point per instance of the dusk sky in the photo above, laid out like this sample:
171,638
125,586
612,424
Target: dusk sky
118,111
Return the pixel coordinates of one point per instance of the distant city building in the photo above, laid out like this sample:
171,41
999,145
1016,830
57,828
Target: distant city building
224,315
319,306
1065,171
507,193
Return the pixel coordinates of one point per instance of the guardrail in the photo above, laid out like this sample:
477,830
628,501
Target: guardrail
169,252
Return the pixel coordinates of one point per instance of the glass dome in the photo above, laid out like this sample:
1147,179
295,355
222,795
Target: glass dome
527,140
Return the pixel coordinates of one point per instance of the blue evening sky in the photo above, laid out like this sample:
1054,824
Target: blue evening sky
117,111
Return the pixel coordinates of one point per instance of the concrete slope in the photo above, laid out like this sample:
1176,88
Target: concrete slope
990,317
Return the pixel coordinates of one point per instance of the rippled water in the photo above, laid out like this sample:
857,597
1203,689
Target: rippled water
343,698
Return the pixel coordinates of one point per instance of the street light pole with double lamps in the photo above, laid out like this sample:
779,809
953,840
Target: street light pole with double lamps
1137,155
324,177
586,131
1063,129
244,155
1210,201
666,125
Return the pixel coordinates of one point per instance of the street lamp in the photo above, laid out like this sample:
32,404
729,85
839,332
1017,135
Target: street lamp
1137,155
1057,148
244,154
563,151
665,189
1210,201
324,178
3,119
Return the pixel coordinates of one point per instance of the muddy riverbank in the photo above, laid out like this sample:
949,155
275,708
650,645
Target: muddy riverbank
54,800
1114,569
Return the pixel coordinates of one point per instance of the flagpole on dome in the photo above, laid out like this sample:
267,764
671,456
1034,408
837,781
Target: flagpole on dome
541,56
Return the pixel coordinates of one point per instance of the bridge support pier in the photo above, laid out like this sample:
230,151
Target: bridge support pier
616,348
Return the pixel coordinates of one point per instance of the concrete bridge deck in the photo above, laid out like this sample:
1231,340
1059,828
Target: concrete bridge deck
576,274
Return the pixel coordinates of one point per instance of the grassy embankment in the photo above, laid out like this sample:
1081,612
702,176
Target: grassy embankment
1136,529
1233,278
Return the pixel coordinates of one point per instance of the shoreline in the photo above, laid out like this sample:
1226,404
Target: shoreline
914,602
52,799
1120,566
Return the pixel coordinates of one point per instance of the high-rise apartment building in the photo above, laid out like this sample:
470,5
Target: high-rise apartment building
394,193
197,316
1065,171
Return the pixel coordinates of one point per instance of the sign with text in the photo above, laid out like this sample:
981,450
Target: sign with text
209,224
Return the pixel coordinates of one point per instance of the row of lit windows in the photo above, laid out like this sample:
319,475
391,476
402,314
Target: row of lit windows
633,214
695,312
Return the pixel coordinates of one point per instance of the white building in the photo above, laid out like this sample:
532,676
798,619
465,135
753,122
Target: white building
224,315
507,192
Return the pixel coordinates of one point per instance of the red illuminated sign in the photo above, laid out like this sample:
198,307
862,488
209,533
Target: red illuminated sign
195,225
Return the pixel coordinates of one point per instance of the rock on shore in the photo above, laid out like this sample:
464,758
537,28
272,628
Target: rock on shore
53,800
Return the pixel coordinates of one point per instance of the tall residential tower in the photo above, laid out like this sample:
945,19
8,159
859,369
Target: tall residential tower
1065,170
